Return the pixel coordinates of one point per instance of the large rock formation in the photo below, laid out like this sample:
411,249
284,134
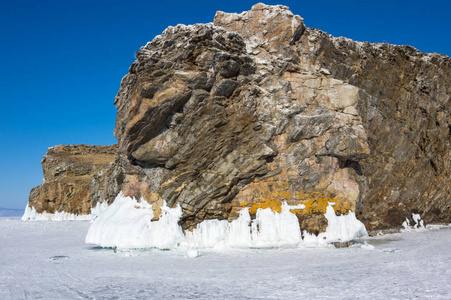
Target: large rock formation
67,173
257,109
216,120
406,114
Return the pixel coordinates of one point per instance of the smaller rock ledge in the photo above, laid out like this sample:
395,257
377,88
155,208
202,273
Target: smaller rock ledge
67,173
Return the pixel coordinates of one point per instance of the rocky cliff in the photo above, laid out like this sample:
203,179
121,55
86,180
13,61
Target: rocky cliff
256,109
406,112
67,173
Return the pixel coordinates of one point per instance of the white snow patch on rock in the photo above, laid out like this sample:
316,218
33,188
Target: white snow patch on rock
419,224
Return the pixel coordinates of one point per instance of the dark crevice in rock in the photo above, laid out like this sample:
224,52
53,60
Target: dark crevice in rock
298,34
355,165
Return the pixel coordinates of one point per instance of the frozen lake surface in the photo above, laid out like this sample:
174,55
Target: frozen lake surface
49,260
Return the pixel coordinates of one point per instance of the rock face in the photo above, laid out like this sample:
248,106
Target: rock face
67,173
225,116
406,114
257,109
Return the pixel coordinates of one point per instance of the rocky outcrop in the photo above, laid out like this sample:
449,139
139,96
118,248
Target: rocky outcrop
67,173
217,117
256,109
406,115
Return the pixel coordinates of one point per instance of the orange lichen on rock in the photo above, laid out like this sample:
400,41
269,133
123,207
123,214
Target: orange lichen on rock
319,205
273,194
263,204
358,68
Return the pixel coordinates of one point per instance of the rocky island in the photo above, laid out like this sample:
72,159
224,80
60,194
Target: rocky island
255,110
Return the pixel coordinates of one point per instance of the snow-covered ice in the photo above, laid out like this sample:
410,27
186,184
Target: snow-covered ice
30,214
126,223
419,224
264,258
49,260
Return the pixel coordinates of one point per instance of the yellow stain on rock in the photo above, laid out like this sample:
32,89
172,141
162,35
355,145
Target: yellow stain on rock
358,68
271,195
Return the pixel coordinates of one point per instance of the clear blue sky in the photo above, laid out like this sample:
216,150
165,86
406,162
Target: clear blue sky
62,62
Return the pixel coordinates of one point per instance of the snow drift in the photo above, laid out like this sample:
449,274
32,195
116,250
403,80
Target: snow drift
127,223
30,214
